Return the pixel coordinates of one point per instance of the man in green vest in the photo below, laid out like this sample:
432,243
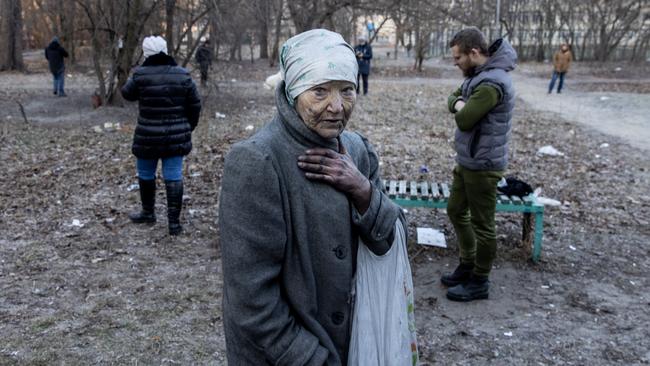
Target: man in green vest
482,109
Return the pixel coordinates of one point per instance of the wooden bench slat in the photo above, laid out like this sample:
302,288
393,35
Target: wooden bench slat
414,190
503,198
445,190
435,193
528,200
516,200
392,189
402,188
424,191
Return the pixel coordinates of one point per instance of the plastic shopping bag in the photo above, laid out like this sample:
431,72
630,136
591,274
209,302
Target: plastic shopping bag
383,324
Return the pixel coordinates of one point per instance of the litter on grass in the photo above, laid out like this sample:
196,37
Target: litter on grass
432,237
549,150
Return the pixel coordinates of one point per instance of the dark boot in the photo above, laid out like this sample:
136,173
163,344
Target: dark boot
478,287
461,274
148,198
174,204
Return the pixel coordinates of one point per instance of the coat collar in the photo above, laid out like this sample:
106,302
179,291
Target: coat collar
295,125
159,59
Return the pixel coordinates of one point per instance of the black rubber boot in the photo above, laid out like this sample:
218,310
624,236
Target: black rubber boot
174,204
148,198
477,288
461,274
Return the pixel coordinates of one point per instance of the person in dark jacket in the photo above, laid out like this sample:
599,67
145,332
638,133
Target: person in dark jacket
169,109
297,200
482,109
55,54
204,59
363,51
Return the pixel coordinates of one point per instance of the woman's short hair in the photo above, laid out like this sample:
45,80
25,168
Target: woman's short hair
469,38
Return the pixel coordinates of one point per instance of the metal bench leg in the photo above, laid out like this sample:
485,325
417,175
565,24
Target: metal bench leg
539,231
527,231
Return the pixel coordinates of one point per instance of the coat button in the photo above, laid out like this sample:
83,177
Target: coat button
339,252
338,318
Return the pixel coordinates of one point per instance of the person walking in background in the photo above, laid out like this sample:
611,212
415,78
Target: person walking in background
561,62
169,109
55,55
482,109
203,57
363,51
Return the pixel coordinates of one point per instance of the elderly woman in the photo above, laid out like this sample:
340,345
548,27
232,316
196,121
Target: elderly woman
169,111
297,199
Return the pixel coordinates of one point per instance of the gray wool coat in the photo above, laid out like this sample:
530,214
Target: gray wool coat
289,246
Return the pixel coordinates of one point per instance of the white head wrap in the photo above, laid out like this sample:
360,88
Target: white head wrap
315,57
154,45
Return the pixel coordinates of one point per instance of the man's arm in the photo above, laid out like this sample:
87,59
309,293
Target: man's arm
483,99
368,54
253,240
453,98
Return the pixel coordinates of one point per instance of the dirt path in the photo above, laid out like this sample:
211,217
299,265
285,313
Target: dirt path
623,115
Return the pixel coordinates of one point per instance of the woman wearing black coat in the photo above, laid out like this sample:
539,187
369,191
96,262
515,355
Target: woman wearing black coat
169,109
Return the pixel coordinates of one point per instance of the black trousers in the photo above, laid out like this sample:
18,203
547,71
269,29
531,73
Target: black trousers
203,67
365,83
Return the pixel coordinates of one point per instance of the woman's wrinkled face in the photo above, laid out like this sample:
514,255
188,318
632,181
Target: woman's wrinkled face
326,108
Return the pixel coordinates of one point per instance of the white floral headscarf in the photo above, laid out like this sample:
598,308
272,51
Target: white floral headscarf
316,57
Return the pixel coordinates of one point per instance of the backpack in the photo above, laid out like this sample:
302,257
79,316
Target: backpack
515,187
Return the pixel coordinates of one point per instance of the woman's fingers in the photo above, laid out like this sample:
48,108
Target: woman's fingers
314,167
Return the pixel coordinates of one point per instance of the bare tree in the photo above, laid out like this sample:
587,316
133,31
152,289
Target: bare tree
613,21
309,14
123,24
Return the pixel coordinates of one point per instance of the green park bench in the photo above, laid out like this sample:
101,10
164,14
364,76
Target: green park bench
436,195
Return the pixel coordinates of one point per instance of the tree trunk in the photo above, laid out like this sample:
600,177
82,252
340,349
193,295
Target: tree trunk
251,46
233,52
214,31
66,17
263,34
170,6
96,49
239,48
11,36
278,30
125,54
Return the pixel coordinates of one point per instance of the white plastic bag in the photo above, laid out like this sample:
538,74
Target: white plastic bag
383,324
